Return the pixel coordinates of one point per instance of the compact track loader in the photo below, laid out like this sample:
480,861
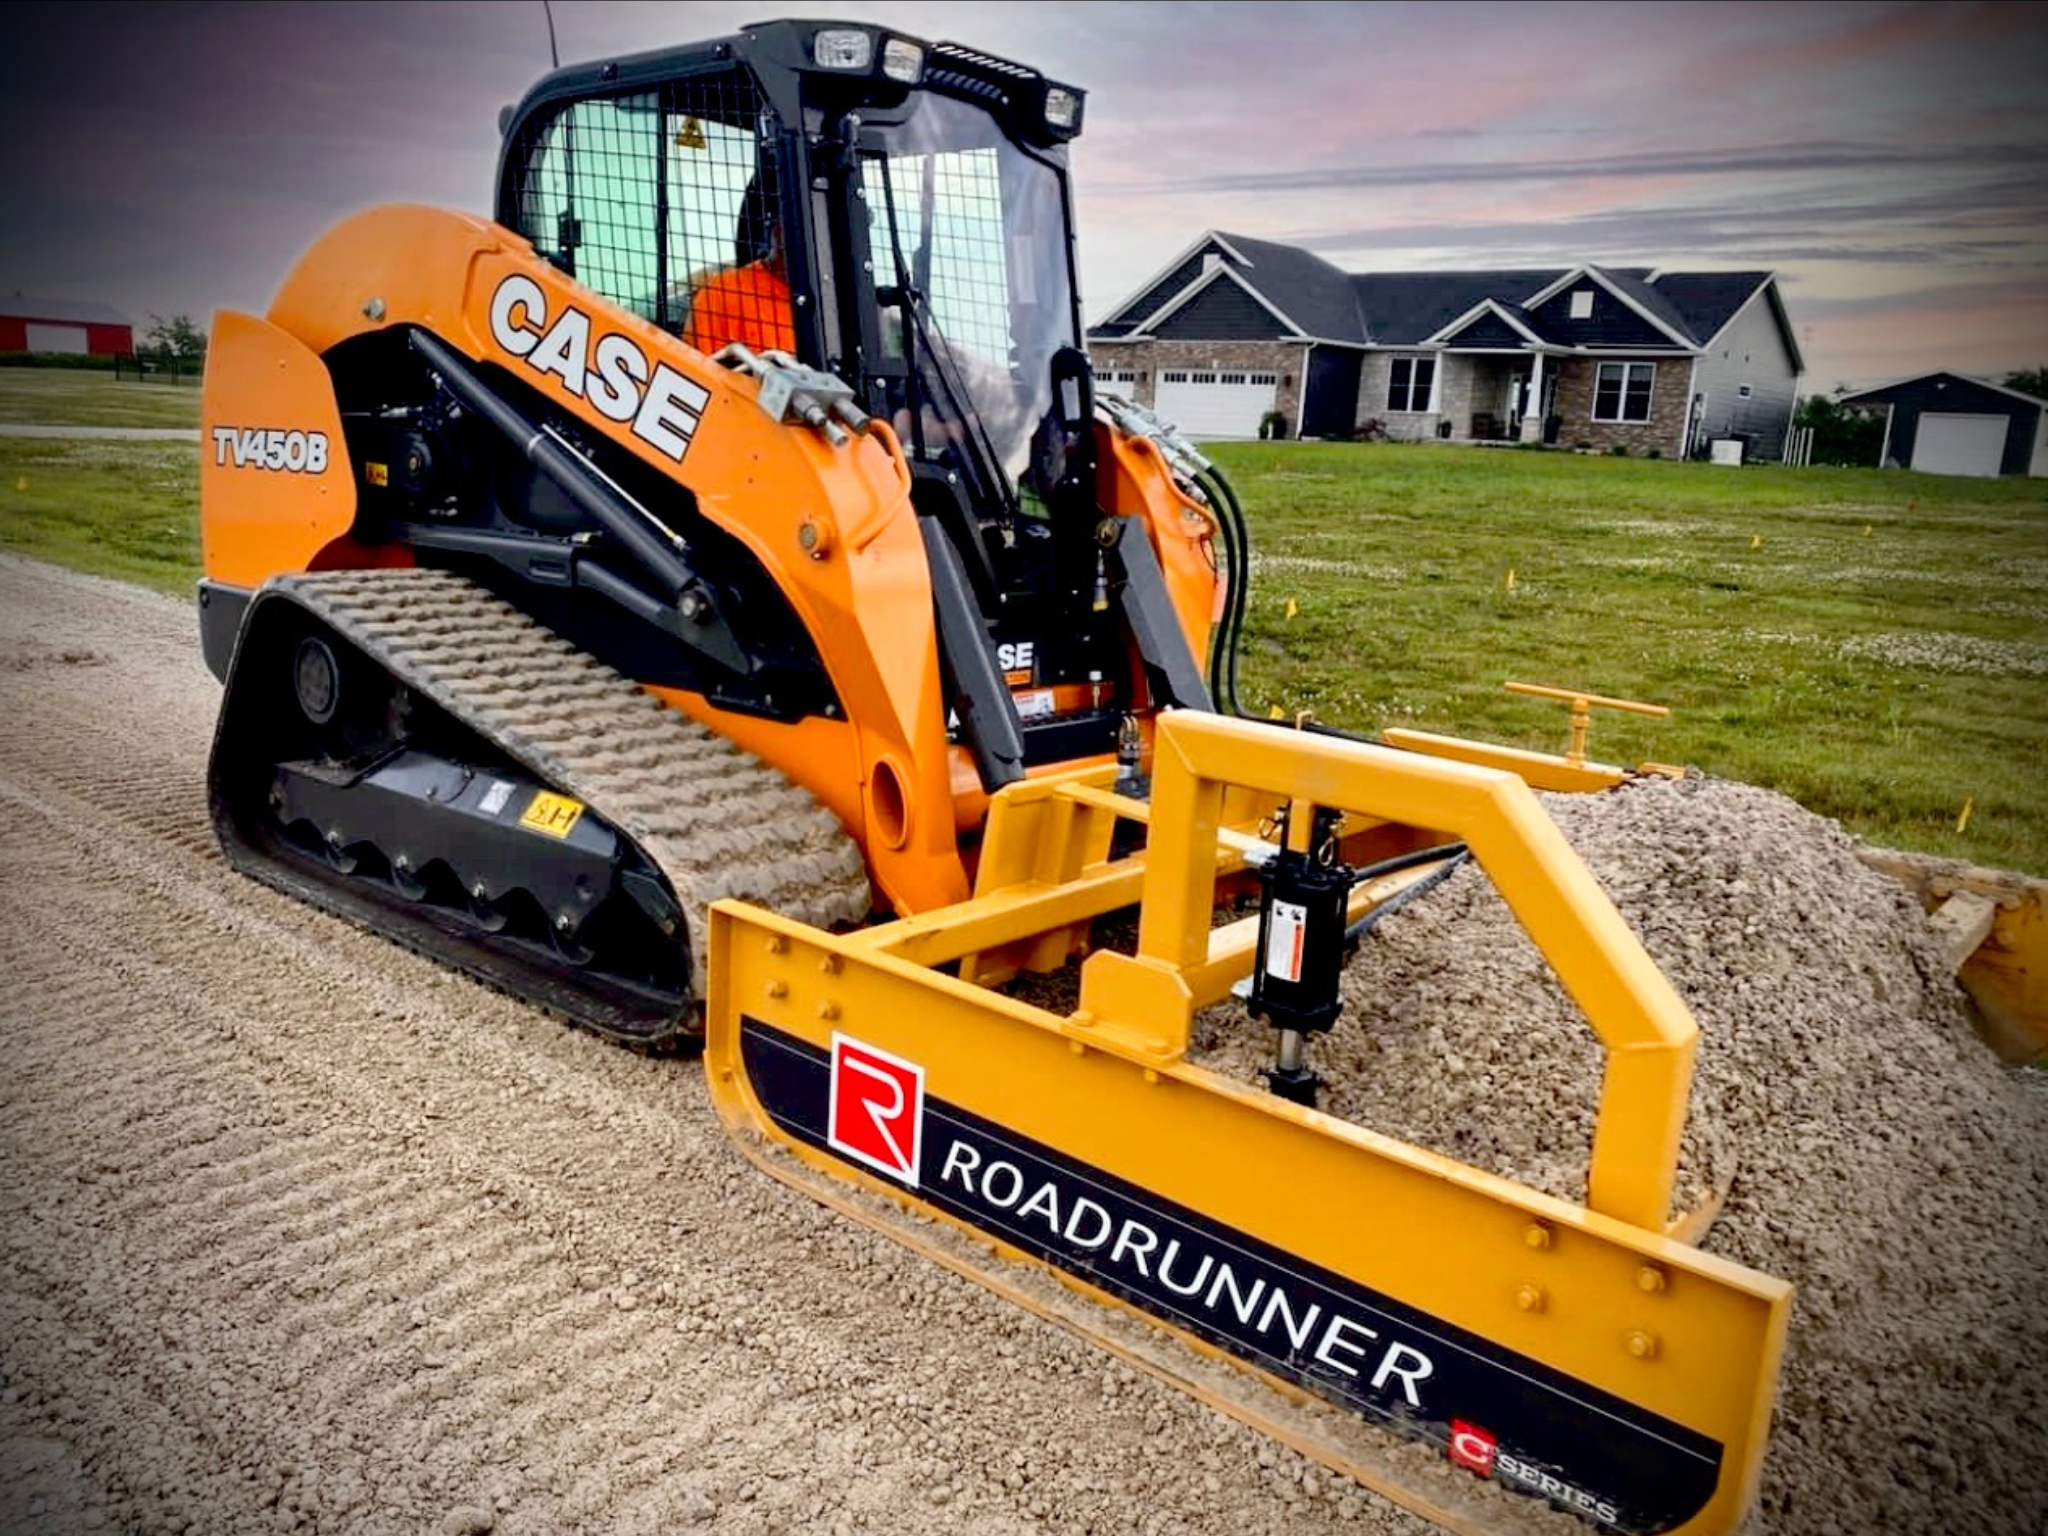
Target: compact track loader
628,597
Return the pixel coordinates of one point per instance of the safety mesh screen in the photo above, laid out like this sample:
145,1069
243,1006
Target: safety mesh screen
945,220
660,201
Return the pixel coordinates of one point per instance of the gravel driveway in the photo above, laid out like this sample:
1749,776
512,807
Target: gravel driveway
299,1232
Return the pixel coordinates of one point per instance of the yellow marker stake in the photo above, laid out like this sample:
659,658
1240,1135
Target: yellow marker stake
1756,541
1275,713
1963,821
21,483
1292,609
1511,579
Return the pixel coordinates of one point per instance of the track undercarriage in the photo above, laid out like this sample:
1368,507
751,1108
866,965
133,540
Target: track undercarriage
412,754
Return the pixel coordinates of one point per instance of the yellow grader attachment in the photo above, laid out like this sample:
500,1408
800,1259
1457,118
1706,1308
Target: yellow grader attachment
1585,1356
1992,926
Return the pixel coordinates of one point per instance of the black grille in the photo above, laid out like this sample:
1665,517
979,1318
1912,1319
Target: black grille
964,72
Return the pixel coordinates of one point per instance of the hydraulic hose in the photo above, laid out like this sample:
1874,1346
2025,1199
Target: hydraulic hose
1230,520
1451,855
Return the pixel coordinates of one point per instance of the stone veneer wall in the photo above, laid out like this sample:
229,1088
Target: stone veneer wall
1147,358
1453,388
1670,398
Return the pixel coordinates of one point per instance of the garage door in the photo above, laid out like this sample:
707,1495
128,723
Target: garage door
55,338
1216,404
1117,381
1951,444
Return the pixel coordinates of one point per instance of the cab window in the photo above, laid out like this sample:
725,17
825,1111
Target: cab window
646,198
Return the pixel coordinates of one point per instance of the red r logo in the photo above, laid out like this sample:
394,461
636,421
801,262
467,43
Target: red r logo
877,1111
1472,1447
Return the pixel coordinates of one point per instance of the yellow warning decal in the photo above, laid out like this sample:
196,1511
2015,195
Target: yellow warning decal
690,135
553,814
375,473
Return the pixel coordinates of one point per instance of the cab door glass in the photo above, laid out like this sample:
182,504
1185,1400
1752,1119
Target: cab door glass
645,198
589,199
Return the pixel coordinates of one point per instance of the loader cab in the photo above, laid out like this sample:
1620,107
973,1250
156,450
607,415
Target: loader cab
918,192
894,212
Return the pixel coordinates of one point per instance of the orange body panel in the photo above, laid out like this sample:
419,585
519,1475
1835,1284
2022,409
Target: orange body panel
274,474
1133,480
833,525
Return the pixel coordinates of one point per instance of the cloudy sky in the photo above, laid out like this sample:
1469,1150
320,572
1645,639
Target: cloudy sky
1890,161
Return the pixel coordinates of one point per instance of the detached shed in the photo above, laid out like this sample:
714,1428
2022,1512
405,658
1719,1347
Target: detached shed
63,325
1951,424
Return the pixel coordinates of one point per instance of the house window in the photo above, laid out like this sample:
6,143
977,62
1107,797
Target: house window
1622,392
1409,383
1582,304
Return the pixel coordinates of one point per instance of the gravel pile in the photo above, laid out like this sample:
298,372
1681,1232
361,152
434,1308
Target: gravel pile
1873,1152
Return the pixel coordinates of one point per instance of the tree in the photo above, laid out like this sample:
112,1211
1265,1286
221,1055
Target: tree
1848,435
2029,381
180,336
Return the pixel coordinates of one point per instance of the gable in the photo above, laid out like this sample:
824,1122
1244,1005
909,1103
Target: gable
1752,343
1946,391
1223,311
1404,309
1314,295
1164,290
1487,329
1611,324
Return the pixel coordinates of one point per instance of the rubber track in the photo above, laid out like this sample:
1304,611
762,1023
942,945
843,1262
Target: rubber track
715,819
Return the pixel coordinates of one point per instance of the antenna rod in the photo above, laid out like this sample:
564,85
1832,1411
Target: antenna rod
554,53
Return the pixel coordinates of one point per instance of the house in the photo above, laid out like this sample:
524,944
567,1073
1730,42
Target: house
61,325
1234,328
1951,424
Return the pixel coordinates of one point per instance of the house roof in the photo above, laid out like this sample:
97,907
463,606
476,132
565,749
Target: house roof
1405,309
1127,315
63,311
1194,290
1311,292
1628,284
1491,316
1707,301
1415,309
1650,299
1883,393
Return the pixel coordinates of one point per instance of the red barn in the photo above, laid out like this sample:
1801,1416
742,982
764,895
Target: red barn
63,325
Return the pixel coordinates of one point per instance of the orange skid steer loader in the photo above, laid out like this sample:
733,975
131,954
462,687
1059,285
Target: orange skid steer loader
710,599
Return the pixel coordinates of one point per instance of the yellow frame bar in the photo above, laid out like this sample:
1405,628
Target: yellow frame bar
1648,1033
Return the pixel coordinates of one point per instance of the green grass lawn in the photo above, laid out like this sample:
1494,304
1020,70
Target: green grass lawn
64,397
1873,644
123,509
